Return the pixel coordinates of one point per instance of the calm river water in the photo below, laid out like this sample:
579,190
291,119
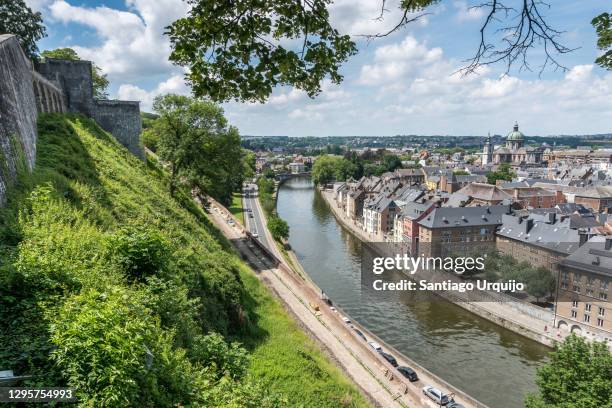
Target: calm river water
492,364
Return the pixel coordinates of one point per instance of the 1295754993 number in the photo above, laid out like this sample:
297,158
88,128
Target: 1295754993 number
35,394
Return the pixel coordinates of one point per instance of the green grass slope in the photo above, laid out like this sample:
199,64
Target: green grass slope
110,285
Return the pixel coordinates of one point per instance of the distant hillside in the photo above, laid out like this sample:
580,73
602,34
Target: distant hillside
111,286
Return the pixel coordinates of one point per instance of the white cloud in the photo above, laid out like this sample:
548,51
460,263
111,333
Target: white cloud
412,88
394,61
466,12
175,84
132,44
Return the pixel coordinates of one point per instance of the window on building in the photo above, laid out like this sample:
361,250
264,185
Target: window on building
600,322
603,296
587,318
603,284
590,281
574,314
576,288
587,307
589,292
576,278
563,285
574,303
602,311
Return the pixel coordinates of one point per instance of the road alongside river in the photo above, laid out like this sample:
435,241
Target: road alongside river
494,365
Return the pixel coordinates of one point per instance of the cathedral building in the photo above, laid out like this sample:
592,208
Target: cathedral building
514,152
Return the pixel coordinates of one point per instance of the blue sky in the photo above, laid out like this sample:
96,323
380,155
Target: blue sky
402,84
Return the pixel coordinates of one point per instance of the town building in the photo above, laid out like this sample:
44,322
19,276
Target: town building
582,303
541,240
459,230
598,198
477,194
514,152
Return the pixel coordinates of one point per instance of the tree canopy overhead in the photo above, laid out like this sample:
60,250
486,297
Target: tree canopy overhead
17,18
241,50
604,39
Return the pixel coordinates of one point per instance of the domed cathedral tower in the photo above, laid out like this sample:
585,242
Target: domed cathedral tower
487,151
515,139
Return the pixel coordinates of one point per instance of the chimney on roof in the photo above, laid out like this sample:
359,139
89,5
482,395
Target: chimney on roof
583,237
528,225
552,217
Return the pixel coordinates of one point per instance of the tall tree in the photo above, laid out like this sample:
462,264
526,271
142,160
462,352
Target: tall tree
579,374
100,81
244,48
17,18
199,145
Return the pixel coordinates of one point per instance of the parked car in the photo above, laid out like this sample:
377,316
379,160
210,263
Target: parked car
251,215
375,346
360,334
346,319
436,395
255,235
409,373
389,358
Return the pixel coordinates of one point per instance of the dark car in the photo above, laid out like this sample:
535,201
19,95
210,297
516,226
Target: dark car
409,373
389,358
360,334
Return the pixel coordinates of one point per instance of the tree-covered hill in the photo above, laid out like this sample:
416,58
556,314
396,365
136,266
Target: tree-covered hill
110,285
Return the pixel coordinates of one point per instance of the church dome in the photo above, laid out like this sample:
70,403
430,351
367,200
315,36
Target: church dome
515,134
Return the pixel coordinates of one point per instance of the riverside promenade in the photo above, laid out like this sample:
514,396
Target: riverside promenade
520,317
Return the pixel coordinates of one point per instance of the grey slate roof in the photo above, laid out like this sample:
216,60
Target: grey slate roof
450,217
556,236
592,256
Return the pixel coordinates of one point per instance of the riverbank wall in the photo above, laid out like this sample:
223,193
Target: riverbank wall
537,326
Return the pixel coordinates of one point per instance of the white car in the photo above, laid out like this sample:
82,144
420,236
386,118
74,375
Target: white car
436,395
375,346
346,319
255,235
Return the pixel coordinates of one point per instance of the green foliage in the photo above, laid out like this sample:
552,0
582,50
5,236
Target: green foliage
235,51
504,172
539,282
199,145
230,359
139,251
71,313
461,173
100,80
266,190
19,19
329,168
603,28
150,139
579,374
278,228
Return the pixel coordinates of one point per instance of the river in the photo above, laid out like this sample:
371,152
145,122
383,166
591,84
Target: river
494,365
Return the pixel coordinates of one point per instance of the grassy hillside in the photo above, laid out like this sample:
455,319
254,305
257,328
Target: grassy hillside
110,285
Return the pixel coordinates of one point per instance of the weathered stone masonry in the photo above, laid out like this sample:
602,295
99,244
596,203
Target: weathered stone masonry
17,112
53,86
120,118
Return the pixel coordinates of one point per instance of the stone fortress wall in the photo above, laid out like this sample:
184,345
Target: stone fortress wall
28,89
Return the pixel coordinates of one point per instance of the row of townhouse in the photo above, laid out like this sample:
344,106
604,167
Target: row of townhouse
567,238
